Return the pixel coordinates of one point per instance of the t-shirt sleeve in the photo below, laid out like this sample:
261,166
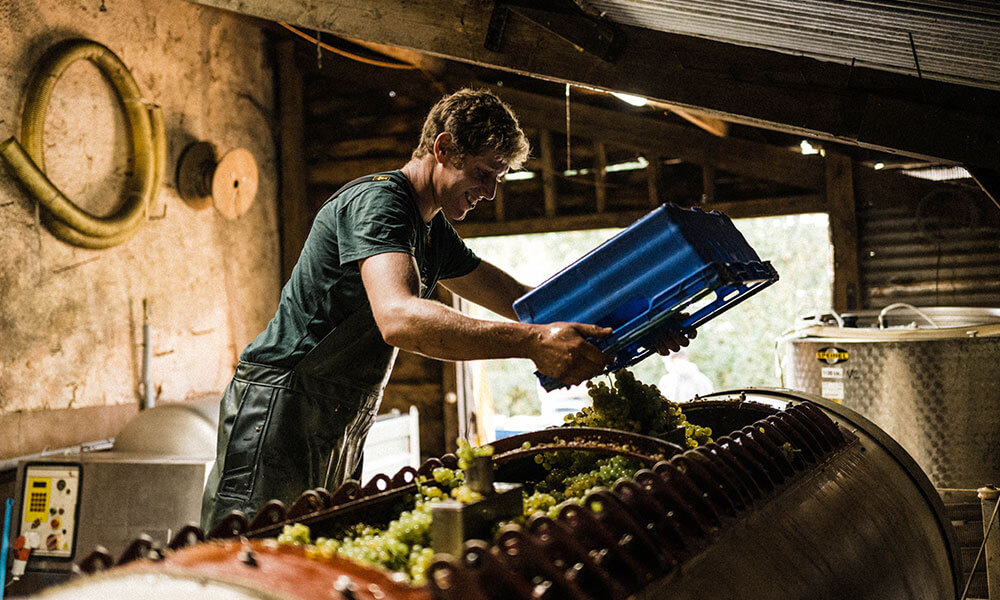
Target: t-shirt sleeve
374,221
459,259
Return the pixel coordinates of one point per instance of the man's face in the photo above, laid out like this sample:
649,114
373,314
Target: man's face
461,188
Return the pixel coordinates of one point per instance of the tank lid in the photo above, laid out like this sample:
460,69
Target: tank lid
901,322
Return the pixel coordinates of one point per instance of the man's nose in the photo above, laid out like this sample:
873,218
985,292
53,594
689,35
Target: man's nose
491,190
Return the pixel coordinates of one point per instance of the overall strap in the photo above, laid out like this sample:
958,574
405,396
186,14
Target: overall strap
385,176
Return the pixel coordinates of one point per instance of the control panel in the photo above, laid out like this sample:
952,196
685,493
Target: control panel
50,507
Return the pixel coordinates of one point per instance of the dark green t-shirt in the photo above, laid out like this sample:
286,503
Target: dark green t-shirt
369,218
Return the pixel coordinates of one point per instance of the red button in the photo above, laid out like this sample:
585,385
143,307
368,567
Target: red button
55,523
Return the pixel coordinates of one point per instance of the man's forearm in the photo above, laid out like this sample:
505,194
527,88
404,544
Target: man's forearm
438,331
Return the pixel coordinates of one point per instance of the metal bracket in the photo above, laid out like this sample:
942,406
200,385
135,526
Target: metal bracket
585,33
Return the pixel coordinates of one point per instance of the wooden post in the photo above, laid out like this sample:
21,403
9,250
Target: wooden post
707,184
452,384
548,172
991,534
600,176
292,200
843,232
654,170
498,208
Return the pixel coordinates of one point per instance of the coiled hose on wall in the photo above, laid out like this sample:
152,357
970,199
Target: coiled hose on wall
59,214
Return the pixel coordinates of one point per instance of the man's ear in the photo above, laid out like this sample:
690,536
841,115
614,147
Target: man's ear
444,145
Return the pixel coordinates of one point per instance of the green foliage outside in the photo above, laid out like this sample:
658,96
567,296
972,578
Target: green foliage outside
734,350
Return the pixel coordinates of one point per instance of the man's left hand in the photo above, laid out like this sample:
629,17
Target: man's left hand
672,340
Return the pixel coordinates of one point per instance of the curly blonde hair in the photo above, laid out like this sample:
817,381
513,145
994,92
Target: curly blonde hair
478,121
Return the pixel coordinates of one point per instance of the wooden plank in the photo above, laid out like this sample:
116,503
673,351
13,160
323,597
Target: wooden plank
414,368
600,176
791,93
656,137
548,172
654,171
791,205
716,127
343,105
498,207
707,184
386,144
425,396
295,213
336,172
843,232
450,386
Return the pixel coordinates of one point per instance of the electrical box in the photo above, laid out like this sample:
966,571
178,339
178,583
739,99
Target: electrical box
50,508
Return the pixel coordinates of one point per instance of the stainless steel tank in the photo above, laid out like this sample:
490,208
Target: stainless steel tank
929,377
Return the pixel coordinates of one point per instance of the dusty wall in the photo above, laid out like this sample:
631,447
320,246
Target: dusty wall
71,319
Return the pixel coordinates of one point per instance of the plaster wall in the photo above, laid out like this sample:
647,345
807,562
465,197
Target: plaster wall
70,318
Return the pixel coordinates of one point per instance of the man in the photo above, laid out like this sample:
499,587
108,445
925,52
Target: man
306,391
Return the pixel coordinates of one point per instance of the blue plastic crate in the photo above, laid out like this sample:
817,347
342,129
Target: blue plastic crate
674,268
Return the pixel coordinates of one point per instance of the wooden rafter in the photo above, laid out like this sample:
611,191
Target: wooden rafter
653,136
790,205
861,106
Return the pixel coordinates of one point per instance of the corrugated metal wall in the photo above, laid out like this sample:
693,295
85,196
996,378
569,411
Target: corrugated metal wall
955,41
941,250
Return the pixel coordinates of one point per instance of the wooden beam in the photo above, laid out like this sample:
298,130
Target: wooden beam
336,172
498,207
295,213
654,136
707,184
600,176
763,207
654,171
716,127
548,172
386,144
843,231
791,93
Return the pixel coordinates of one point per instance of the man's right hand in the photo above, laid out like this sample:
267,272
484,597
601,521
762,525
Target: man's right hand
561,351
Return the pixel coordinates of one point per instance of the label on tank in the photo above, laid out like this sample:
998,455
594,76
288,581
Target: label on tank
832,355
832,373
833,390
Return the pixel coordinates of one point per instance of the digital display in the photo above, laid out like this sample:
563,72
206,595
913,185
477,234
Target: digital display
40,484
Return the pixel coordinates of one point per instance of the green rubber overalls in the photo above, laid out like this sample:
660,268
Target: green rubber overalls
284,431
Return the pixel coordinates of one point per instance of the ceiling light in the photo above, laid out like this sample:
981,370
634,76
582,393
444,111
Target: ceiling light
630,99
808,148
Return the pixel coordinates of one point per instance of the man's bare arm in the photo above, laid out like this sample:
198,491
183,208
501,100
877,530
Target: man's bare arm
430,328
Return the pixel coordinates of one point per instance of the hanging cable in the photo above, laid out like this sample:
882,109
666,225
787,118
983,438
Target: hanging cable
568,165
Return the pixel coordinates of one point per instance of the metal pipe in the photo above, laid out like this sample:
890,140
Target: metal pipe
148,399
96,446
8,507
989,496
